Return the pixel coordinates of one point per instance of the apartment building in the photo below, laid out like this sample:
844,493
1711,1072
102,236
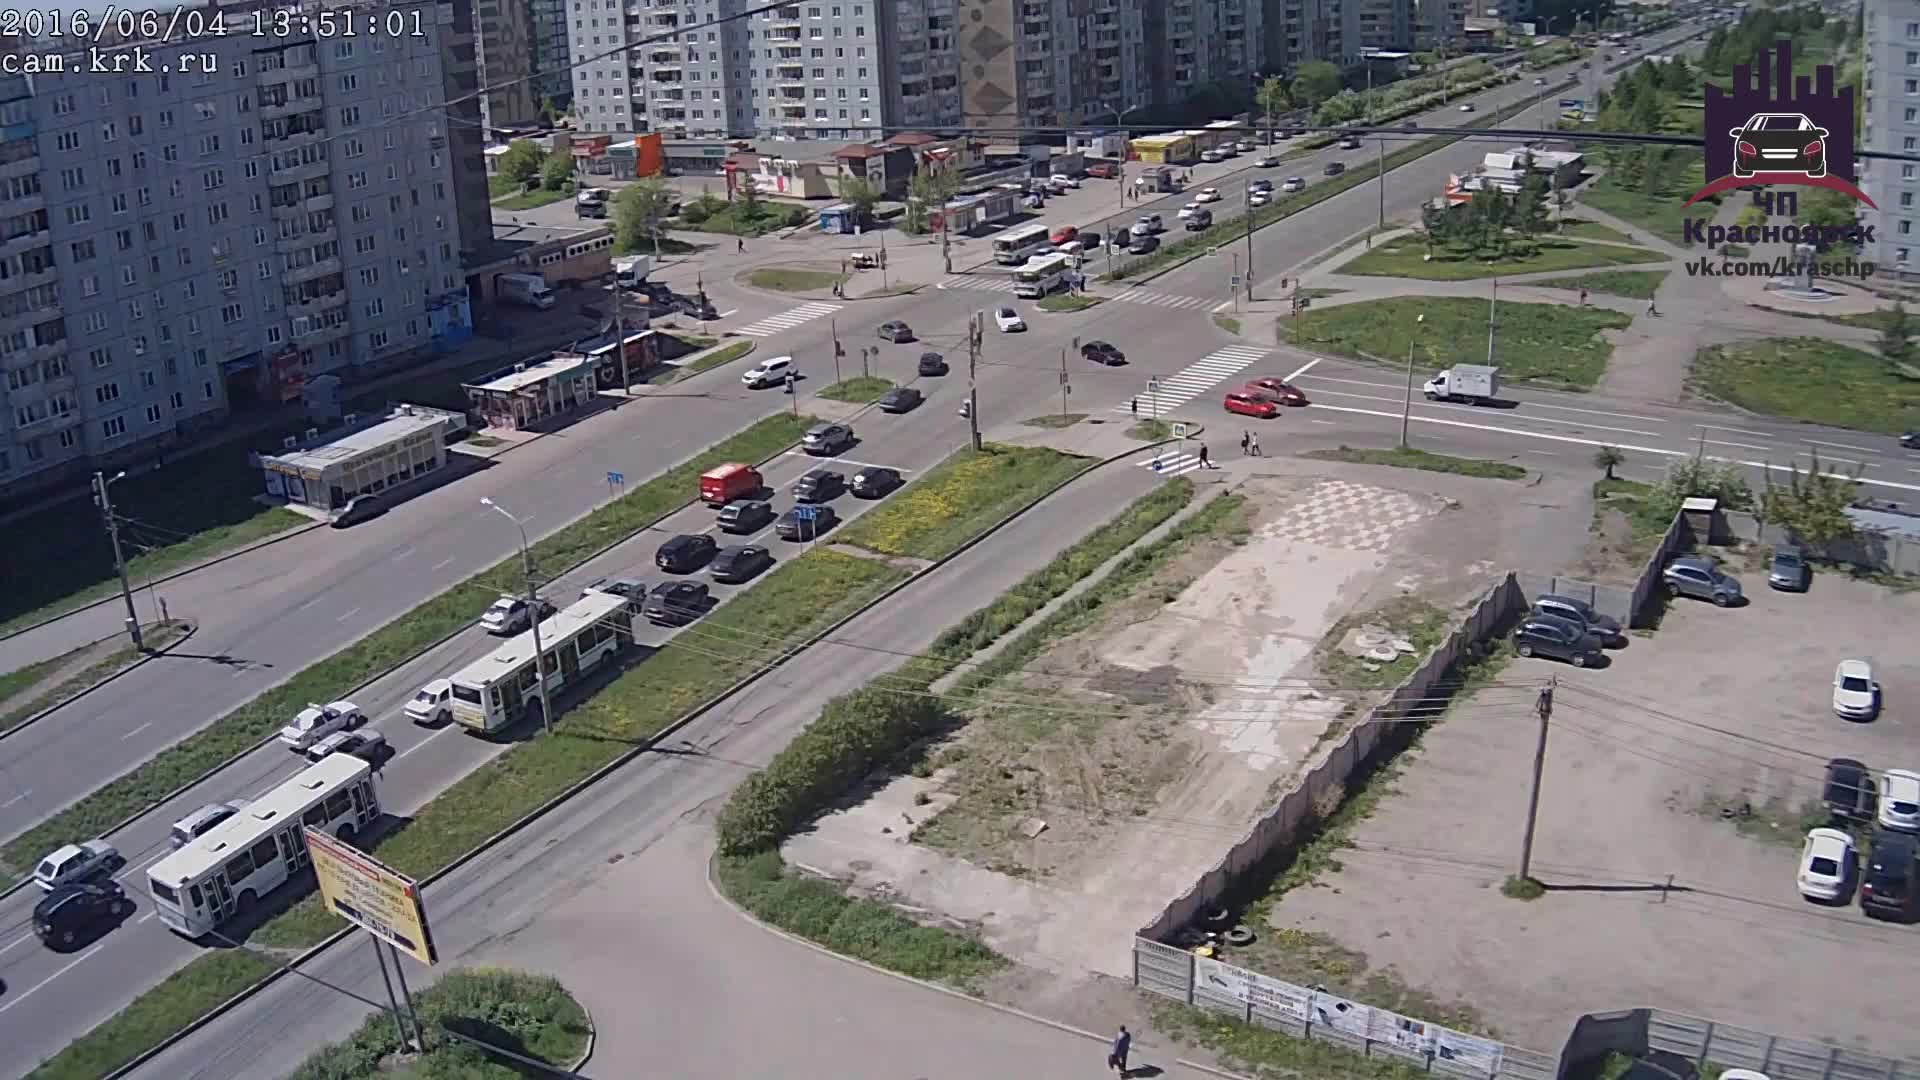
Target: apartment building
552,54
1300,32
1397,26
1892,124
466,131
176,246
505,60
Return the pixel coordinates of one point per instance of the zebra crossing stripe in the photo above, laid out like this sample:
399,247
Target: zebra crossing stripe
1193,380
787,320
1172,464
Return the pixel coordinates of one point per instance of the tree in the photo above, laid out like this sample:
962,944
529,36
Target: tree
1896,336
1315,83
522,161
1701,477
1530,203
860,195
556,171
1812,506
1607,458
1831,209
747,207
638,211
926,189
1273,99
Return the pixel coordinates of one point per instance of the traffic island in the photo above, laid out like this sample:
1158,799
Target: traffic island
1555,345
799,280
463,1014
1418,257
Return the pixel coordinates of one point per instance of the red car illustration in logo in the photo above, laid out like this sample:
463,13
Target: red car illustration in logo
1779,142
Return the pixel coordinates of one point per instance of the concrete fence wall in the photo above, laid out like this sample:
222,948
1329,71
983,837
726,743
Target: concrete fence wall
1678,538
1715,1046
1867,549
1614,601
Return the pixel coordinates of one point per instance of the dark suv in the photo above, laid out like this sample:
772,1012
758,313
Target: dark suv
685,553
1562,639
1889,887
744,517
1850,792
1574,609
676,603
73,915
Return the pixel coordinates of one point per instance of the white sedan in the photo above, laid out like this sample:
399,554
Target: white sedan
316,722
1258,198
1855,695
1825,861
1188,211
1900,800
77,862
1268,163
1008,320
1207,195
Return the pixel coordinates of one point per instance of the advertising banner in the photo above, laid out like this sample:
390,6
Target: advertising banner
1223,979
1282,999
1449,1045
1346,1017
366,892
1402,1032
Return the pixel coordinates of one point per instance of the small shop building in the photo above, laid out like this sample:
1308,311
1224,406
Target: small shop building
323,472
529,393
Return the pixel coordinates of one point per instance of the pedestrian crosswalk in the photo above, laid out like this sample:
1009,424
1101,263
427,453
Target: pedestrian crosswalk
1163,396
1131,296
976,284
1172,463
787,320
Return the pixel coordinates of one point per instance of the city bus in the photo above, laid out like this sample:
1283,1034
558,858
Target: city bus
1041,276
1013,247
234,864
498,689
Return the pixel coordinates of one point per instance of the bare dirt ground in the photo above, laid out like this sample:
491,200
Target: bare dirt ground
1720,710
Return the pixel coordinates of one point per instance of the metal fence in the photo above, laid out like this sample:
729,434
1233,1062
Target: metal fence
1714,1046
1309,1013
1870,548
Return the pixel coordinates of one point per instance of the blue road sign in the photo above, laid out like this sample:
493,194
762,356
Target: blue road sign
806,513
616,478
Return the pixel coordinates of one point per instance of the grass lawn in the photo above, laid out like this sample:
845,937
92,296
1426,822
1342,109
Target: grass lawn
388,647
1632,284
532,200
498,186
1151,431
1809,379
186,995
1415,458
1554,344
1066,302
1055,420
1578,229
1658,211
958,498
1228,323
532,1015
789,279
711,360
859,390
155,636
1405,257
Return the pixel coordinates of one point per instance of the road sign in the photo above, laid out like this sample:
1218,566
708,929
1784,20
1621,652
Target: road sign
1063,378
616,478
805,513
1179,430
1152,385
1236,280
366,892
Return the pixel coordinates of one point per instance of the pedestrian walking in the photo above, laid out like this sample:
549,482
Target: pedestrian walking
1133,406
1651,310
1122,1046
1205,462
1583,296
1254,440
740,244
1246,441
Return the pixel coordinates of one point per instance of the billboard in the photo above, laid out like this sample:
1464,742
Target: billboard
362,890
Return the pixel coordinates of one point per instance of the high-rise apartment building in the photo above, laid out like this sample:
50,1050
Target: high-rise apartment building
505,57
552,53
1892,124
1033,63
179,244
1300,32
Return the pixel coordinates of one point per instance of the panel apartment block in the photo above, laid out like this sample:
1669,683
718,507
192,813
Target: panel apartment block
176,247
1892,124
505,54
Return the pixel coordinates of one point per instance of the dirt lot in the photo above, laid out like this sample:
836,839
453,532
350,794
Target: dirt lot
1105,779
1719,710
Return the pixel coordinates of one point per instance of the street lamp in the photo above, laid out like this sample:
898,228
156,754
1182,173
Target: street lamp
533,607
1406,407
101,482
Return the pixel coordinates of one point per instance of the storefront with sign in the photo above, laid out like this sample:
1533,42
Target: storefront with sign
527,394
361,458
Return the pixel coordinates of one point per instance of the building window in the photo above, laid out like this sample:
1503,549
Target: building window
153,414
114,427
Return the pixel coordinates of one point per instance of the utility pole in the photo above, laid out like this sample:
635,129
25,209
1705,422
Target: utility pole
1493,301
1544,709
973,386
883,261
1380,168
1064,389
1406,406
620,333
533,612
1249,219
104,501
839,350
1233,289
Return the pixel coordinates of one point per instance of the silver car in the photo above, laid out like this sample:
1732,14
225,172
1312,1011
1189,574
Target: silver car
1691,575
1789,570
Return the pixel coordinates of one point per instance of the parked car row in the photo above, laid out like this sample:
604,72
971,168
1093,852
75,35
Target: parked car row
1567,628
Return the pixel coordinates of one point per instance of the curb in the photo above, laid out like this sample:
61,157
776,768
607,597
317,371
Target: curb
751,343
593,1036
145,656
644,746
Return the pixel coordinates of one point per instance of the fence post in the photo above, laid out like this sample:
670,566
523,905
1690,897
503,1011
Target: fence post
1136,962
1248,1018
1706,1045
1193,968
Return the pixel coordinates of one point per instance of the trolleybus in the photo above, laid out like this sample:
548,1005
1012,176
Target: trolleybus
498,689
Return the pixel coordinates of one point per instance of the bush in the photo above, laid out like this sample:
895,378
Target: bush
531,1015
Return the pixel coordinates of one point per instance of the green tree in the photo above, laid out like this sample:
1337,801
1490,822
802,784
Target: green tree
747,204
1608,458
1273,99
638,212
1530,207
556,171
860,195
1700,477
1314,83
1831,209
522,161
926,188
1812,506
1896,336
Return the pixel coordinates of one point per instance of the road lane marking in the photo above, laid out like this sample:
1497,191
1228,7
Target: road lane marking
137,730
1730,442
1737,431
402,553
443,564
350,614
1838,460
1479,409
1596,412
1841,446
23,795
21,940
1329,423
726,313
1302,369
449,727
1543,453
41,985
309,603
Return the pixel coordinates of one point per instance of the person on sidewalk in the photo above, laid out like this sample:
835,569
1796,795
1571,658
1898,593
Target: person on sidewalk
1254,442
1651,310
1583,296
740,245
1122,1046
1133,406
1246,441
1205,461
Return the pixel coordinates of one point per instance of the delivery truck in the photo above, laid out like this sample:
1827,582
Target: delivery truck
1474,384
630,271
527,290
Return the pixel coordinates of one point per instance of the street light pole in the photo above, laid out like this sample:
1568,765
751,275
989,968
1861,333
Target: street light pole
1406,407
104,501
533,608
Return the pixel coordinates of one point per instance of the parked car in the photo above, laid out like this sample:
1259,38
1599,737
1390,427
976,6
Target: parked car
1562,639
1294,183
790,526
365,744
1143,245
1690,575
1334,168
1101,352
625,588
1278,391
744,517
432,704
1889,887
511,615
826,439
770,372
676,603
685,553
1856,696
77,862
316,722
739,563
1008,320
1826,864
900,399
1900,800
1789,570
818,485
875,482
201,822
932,363
895,331
1850,791
1573,609
75,915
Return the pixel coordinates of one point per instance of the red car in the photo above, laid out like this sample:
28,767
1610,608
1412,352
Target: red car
1103,172
1063,235
1248,405
1275,390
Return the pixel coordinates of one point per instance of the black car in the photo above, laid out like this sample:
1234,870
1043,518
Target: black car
1261,185
1143,245
72,915
1889,887
932,363
628,588
1562,639
1779,142
900,399
1573,609
1911,440
874,482
826,439
676,603
1334,168
895,331
685,553
1850,792
744,517
737,564
1102,353
360,508
818,486
792,526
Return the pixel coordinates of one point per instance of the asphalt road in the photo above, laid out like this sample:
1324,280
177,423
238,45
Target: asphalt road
623,815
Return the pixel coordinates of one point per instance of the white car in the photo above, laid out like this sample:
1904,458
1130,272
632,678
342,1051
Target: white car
1244,146
1293,183
1188,211
432,704
367,744
1900,800
1062,180
1207,195
1258,198
1825,861
1071,247
77,862
1466,106
771,372
316,722
511,615
1008,320
1268,163
1855,695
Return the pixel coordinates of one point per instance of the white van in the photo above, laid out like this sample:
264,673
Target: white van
768,373
432,704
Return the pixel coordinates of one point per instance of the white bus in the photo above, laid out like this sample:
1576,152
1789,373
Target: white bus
1011,248
1041,276
251,853
498,689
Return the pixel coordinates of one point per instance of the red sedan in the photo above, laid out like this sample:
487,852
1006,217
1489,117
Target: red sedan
1063,235
1248,405
1103,172
1276,390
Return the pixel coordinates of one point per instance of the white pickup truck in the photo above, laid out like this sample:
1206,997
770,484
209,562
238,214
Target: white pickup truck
1471,383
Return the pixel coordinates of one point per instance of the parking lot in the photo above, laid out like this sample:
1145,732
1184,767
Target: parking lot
1673,805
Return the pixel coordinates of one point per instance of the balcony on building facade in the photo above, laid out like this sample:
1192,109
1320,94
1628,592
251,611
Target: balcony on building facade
791,69
23,204
26,166
292,105
272,76
668,93
665,75
301,274
793,110
675,115
22,282
317,203
317,306
23,242
793,90
312,170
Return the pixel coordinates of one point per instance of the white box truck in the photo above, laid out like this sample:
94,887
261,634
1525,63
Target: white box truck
629,271
527,290
1471,383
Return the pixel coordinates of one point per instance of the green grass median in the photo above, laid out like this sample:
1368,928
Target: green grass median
1810,379
386,648
1408,457
958,499
527,1014
1548,344
858,390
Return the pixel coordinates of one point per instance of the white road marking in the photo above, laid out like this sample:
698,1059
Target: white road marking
1736,431
1329,423
136,731
402,553
1839,460
21,940
150,914
443,564
1222,306
23,795
1595,412
787,320
1302,369
450,726
1741,445
724,314
1543,453
1841,446
37,987
350,614
1450,407
309,603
